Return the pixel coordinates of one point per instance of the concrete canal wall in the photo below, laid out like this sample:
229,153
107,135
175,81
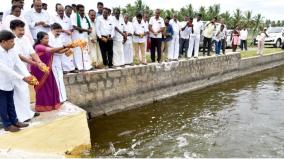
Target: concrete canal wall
108,91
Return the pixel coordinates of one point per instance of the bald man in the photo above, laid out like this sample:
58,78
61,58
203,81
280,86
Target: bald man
37,19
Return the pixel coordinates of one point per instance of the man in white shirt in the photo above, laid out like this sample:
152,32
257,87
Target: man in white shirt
244,37
119,39
224,37
95,51
19,3
28,55
65,36
140,30
55,41
37,19
156,27
9,61
184,37
174,47
105,32
82,29
195,37
128,46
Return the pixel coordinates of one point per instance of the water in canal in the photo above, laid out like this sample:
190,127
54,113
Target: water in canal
239,118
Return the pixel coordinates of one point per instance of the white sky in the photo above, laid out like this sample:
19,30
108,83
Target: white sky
271,9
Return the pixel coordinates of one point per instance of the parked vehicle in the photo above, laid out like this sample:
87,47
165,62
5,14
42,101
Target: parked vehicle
275,37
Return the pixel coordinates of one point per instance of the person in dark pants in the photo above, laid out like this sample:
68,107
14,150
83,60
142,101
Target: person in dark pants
184,38
244,37
9,60
208,33
105,32
156,27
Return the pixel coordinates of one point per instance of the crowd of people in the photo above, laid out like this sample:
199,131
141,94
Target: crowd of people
37,46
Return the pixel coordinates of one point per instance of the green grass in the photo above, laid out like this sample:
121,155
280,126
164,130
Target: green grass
253,52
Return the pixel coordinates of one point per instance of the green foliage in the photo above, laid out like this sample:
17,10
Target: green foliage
237,18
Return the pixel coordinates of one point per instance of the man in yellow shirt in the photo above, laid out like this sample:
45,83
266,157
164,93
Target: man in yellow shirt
208,34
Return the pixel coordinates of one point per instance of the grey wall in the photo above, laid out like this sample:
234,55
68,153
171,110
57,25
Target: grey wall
109,91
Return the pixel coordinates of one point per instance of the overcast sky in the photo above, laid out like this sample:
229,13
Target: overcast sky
271,9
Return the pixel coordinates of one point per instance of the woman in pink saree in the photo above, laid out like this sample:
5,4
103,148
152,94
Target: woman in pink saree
47,94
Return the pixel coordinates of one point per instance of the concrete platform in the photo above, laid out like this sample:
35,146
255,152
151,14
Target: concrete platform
50,135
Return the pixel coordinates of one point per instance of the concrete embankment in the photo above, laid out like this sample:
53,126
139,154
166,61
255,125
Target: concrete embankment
51,135
108,91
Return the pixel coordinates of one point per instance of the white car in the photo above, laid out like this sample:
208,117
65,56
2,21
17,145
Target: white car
275,36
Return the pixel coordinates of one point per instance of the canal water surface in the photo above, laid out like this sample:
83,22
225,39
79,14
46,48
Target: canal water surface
238,118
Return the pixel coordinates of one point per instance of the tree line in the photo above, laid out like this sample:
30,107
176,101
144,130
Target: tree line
238,18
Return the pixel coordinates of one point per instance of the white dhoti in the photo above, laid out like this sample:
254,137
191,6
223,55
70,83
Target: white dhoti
196,45
128,52
82,59
22,101
58,74
95,54
118,55
174,48
191,45
68,63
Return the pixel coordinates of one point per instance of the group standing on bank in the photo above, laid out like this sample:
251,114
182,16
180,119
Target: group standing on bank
36,44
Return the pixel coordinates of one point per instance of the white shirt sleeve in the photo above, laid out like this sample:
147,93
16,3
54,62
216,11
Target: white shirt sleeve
10,73
98,25
113,31
29,19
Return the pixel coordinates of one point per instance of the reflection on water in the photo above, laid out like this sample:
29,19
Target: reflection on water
239,118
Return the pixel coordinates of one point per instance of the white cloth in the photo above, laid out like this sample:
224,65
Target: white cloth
21,88
139,29
174,48
176,27
65,22
104,27
186,32
120,25
82,58
9,11
197,26
6,25
33,17
22,101
118,55
9,61
195,38
209,29
156,24
57,66
128,46
25,47
191,45
95,51
244,34
58,74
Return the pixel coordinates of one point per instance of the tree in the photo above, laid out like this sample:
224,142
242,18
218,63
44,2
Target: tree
257,21
237,16
248,19
227,18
